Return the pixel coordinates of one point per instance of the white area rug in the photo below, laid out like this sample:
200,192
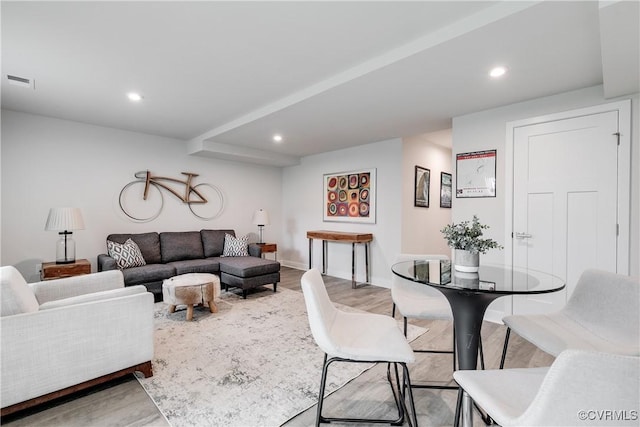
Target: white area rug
254,363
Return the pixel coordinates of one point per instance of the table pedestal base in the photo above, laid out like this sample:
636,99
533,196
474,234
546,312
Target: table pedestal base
468,312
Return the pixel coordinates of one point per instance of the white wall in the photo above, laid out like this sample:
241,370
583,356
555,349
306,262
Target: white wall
421,226
54,163
50,163
487,129
303,207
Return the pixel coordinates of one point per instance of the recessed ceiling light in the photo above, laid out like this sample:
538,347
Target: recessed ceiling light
133,96
498,72
277,138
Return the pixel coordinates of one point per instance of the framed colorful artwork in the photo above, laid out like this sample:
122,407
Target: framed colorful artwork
421,190
350,196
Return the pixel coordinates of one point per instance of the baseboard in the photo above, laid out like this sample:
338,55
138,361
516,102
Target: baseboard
382,283
294,265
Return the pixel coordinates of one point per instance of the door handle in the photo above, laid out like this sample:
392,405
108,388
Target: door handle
523,236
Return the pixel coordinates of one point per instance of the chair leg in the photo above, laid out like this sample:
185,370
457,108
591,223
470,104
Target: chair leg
323,381
412,418
504,348
398,394
456,420
393,310
453,352
395,398
481,352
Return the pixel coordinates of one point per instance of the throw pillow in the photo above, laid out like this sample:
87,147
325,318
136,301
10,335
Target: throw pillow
127,255
235,246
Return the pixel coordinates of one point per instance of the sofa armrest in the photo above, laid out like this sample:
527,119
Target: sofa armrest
106,263
68,287
95,296
49,350
255,250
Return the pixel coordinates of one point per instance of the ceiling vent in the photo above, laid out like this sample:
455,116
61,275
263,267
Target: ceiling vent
21,81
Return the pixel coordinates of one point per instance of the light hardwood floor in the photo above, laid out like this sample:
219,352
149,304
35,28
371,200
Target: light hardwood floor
125,403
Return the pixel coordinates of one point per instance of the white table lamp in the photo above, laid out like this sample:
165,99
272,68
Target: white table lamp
63,220
261,218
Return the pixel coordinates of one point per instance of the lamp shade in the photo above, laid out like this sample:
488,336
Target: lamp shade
63,219
261,217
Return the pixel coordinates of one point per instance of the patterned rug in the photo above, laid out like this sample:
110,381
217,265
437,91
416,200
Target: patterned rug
254,363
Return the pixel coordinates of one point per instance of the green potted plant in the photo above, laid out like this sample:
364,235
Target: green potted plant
466,238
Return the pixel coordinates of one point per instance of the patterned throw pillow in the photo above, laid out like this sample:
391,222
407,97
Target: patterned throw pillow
235,246
127,255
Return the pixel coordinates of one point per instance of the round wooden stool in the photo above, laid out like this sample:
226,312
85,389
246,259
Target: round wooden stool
191,289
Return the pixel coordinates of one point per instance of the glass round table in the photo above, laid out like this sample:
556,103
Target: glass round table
469,295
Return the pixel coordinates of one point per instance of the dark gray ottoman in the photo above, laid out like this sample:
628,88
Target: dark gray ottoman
248,272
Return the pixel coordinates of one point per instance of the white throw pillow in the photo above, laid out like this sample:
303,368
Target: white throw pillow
235,246
17,296
127,255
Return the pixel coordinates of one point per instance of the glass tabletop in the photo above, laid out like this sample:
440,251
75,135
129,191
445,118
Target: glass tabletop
490,278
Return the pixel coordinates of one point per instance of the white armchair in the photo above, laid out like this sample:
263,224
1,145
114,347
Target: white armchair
64,335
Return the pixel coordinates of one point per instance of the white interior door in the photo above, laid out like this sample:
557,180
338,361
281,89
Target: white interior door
565,194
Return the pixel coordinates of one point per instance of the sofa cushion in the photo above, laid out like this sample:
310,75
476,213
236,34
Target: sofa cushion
148,273
248,266
213,241
208,265
149,244
255,249
235,246
17,296
181,245
126,255
249,282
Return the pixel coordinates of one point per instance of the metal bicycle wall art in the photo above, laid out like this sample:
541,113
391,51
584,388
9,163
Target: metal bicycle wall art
204,200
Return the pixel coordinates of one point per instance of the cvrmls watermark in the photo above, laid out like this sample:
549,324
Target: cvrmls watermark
608,415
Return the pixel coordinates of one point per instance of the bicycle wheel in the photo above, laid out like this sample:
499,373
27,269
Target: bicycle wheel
215,201
135,207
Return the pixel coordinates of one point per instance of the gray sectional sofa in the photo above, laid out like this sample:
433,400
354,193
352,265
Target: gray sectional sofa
169,254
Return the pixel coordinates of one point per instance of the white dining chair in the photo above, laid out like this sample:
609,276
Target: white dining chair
602,314
357,337
417,301
580,388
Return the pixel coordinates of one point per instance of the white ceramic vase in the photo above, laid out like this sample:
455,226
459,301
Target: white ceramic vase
467,280
466,261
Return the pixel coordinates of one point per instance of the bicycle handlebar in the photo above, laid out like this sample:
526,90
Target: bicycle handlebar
143,175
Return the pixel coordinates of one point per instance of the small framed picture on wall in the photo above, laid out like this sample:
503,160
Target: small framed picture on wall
476,174
421,191
446,190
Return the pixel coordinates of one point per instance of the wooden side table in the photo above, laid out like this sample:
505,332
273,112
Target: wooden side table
270,248
51,270
342,237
